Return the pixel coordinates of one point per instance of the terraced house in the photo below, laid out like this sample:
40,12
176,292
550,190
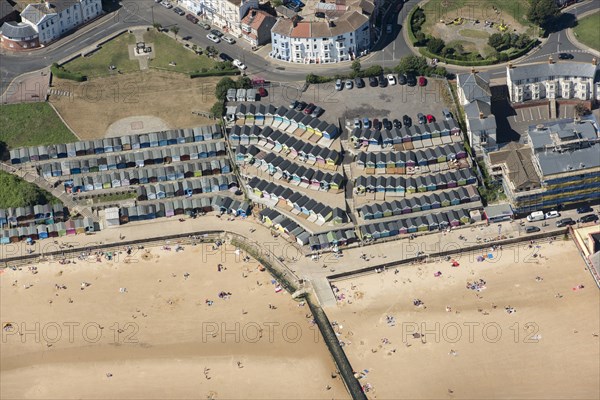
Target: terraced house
559,166
226,14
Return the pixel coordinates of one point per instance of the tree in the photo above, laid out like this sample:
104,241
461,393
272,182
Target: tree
211,51
157,26
581,110
356,67
412,64
495,40
175,30
223,85
522,41
542,12
435,45
243,82
218,109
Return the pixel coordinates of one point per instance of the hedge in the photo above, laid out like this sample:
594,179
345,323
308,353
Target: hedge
199,74
411,34
62,73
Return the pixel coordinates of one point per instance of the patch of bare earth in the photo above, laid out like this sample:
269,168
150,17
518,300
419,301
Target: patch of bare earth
97,104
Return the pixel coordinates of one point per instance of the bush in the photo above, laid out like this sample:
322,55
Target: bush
62,73
435,45
374,70
312,78
200,74
218,109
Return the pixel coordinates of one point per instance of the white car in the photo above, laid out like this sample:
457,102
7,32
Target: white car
552,214
349,84
239,64
166,4
213,38
391,79
229,39
338,85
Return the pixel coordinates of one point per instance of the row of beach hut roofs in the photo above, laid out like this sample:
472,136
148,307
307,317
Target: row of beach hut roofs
42,231
385,137
279,142
298,203
187,187
282,118
137,159
37,214
400,186
117,144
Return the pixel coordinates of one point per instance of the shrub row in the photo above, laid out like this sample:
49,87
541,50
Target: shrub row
62,73
200,74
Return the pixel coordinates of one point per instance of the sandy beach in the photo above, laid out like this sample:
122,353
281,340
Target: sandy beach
526,327
159,324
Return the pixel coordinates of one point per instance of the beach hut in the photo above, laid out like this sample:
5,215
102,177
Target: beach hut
70,227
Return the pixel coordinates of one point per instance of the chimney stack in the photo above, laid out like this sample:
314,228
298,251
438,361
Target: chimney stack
473,70
550,60
481,115
510,65
594,61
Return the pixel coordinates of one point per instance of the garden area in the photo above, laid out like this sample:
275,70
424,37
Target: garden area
21,193
588,31
475,33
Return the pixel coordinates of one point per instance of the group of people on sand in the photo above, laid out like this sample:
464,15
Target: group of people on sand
476,285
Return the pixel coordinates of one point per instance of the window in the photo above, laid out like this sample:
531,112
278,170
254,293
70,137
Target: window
315,46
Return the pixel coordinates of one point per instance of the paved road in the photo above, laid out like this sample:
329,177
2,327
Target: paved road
144,12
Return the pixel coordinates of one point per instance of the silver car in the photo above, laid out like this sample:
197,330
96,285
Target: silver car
349,84
338,84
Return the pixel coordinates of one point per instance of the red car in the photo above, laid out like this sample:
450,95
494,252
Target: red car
262,92
430,118
309,109
422,81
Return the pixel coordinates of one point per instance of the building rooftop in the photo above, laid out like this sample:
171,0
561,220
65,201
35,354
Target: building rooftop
557,69
476,86
17,31
255,18
517,159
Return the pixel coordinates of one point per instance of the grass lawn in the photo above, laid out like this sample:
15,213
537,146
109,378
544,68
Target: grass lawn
475,34
19,193
588,31
114,52
166,50
32,124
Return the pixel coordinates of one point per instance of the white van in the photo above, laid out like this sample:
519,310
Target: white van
536,216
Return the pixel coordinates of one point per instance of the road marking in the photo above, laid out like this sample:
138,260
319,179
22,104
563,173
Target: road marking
531,114
539,112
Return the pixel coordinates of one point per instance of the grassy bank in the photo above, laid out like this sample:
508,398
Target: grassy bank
588,31
19,193
167,50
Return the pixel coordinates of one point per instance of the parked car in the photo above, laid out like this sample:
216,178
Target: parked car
204,25
217,33
294,104
584,210
422,81
373,81
301,106
565,56
366,123
387,124
532,229
536,216
421,118
377,124
262,92
397,124
561,223
178,11
552,214
239,64
192,18
166,4
309,109
430,118
588,218
225,57
382,81
229,39
411,80
407,121
349,84
447,114
357,123
338,85
317,112
213,38
359,83
391,79
402,79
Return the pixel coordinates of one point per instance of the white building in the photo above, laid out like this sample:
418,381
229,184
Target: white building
53,19
550,80
342,35
476,99
225,14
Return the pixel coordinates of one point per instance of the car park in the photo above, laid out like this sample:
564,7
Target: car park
294,104
166,4
217,33
373,81
407,121
401,79
565,56
585,210
262,92
229,39
397,124
301,106
349,84
359,83
309,109
366,123
588,218
391,79
213,38
338,85
411,80
421,118
204,25
192,18
317,112
532,229
357,123
561,223
552,214
422,81
430,118
387,124
225,57
239,64
382,81
447,114
178,11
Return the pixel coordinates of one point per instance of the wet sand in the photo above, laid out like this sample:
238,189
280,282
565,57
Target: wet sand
463,343
159,338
